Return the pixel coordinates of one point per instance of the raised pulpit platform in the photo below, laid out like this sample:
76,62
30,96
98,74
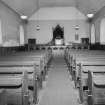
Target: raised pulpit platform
58,50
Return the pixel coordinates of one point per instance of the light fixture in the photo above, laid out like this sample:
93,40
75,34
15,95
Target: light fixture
23,17
76,27
90,15
37,27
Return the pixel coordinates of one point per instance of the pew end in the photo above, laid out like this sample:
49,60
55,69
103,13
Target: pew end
96,86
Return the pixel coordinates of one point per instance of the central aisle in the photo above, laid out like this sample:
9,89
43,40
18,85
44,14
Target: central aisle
59,88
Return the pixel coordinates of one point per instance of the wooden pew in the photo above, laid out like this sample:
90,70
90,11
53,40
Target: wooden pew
45,56
80,61
75,66
83,77
32,75
14,89
75,60
15,65
73,63
70,55
76,53
20,62
96,91
25,57
26,63
88,59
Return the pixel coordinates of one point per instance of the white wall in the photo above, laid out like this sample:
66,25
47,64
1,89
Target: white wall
50,17
10,22
58,13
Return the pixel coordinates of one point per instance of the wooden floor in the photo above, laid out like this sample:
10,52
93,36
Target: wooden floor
59,89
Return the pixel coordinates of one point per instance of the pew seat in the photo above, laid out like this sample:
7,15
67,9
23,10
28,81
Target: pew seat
14,89
96,93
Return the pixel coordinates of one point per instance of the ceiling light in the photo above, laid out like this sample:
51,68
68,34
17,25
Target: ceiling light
90,15
76,27
23,17
37,27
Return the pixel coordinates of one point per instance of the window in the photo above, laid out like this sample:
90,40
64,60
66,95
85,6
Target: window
93,34
21,35
102,31
0,33
76,37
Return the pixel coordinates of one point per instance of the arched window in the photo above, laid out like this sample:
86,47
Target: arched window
102,31
0,33
21,35
93,34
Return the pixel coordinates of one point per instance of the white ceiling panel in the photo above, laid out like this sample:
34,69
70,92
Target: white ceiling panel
56,3
87,6
28,7
23,7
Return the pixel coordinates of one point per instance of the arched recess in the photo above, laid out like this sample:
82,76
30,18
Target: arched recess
1,40
21,35
102,31
92,34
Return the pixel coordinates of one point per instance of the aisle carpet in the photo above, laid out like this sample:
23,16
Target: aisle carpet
59,88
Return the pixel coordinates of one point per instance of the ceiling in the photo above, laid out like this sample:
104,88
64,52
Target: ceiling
28,7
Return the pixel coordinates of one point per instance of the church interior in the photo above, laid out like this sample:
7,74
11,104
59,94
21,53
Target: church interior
52,52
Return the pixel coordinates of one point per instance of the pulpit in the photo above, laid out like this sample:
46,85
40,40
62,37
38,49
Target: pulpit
58,35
